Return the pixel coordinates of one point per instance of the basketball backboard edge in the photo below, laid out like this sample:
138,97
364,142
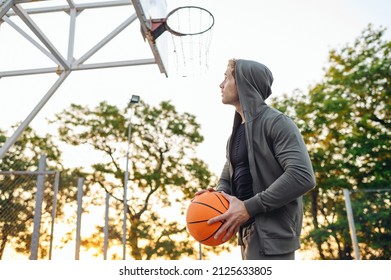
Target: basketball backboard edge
147,10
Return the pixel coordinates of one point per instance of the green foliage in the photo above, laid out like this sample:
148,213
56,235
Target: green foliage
26,151
345,120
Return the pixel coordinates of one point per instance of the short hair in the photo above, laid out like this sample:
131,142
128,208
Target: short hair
232,64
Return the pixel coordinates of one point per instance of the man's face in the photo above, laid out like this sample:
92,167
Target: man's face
229,91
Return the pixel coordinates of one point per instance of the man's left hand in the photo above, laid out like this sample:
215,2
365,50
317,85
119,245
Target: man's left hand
235,216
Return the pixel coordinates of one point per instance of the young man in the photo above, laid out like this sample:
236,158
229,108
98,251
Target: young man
267,169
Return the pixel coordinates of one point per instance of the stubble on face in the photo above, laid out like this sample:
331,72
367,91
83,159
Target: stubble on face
228,88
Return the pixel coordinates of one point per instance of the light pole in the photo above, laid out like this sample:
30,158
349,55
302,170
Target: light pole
133,100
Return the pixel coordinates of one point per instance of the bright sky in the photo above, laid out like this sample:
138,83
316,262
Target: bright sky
292,38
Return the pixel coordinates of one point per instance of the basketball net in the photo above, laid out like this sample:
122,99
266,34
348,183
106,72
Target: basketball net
190,52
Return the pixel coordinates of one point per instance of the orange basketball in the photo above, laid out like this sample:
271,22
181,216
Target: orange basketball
202,208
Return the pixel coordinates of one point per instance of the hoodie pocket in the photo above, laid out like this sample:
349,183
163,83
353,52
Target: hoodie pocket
278,224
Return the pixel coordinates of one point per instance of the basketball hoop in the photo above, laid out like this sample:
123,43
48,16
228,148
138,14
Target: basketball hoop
190,28
199,21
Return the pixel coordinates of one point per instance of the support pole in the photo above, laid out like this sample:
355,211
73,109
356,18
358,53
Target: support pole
38,209
80,184
32,115
352,227
64,65
24,16
106,228
134,100
54,210
126,179
5,7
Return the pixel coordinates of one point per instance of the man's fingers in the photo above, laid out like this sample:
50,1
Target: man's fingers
221,231
224,226
227,196
227,231
218,218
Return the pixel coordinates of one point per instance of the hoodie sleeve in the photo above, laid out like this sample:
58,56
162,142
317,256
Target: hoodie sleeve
297,177
224,181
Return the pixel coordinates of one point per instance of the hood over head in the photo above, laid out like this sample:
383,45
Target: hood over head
254,81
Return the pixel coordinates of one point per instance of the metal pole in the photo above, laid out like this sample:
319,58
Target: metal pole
80,184
72,27
125,198
65,66
65,8
352,227
106,228
24,16
54,209
31,116
29,38
5,7
135,99
38,209
107,39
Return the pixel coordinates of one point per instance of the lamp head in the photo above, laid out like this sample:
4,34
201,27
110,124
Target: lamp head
134,99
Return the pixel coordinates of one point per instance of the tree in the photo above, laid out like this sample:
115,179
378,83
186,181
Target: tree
164,171
345,120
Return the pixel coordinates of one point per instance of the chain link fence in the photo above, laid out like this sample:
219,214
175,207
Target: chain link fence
27,212
29,228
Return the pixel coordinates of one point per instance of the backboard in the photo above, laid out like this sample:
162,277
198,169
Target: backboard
147,10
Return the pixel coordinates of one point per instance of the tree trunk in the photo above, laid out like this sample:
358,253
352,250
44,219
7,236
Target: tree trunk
133,238
314,210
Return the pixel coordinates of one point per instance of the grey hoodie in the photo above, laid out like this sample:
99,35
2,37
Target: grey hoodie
279,163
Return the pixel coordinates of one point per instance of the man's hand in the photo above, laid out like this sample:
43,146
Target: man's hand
206,190
235,216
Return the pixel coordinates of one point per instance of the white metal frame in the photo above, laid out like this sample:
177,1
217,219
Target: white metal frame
67,64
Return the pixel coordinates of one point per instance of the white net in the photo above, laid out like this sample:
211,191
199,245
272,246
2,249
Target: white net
191,54
191,35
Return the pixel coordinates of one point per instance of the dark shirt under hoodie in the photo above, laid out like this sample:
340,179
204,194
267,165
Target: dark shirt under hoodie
241,179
